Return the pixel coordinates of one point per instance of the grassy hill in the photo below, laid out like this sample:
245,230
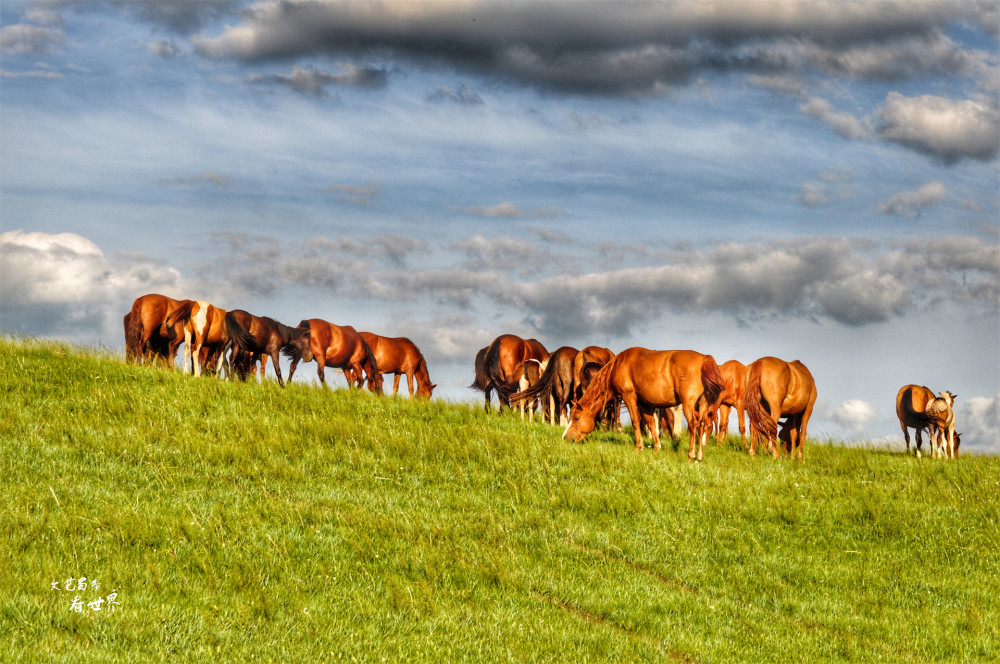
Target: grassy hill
243,522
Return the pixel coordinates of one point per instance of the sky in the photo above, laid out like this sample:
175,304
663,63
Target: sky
809,180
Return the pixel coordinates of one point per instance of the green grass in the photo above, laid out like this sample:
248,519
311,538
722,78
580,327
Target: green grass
243,522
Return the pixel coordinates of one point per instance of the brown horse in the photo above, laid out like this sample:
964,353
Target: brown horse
146,328
205,334
777,389
734,376
400,356
260,334
504,363
589,355
911,407
646,380
555,385
338,346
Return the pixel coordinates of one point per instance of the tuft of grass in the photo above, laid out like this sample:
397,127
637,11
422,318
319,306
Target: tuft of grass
250,522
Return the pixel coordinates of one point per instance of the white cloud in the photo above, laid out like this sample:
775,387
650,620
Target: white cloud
21,38
854,414
844,124
912,203
946,129
978,420
64,284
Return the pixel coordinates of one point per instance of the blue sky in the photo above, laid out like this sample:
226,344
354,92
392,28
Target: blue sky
811,180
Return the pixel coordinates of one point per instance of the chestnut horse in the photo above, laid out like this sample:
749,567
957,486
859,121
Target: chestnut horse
504,363
205,334
911,406
777,389
400,356
338,346
734,376
260,334
646,380
555,385
146,327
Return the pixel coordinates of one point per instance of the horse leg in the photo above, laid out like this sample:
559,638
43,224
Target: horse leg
277,367
741,421
632,405
187,351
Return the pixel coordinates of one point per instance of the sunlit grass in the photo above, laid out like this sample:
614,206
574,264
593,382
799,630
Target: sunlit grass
248,522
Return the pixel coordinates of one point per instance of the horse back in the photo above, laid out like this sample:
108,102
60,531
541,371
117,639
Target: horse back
911,404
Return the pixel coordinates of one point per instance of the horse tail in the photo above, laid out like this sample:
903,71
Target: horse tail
543,385
480,380
133,335
240,337
758,416
181,313
712,380
492,367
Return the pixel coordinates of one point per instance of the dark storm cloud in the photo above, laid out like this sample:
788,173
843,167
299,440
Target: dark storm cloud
617,48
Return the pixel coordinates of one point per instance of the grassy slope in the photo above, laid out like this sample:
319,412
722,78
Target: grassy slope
246,522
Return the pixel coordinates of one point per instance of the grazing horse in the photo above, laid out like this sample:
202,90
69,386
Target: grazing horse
400,356
263,335
338,346
554,385
734,376
911,406
941,422
646,380
777,389
146,326
504,363
205,333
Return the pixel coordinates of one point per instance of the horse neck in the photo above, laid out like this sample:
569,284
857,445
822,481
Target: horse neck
599,392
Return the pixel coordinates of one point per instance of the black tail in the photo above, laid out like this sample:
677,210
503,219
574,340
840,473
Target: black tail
181,313
240,337
481,381
544,385
492,368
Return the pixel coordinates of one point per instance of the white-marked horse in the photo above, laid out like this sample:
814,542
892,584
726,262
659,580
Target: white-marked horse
941,422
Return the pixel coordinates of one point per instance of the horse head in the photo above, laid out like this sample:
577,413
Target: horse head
425,390
299,346
581,423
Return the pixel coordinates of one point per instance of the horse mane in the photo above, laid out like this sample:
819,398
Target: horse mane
598,393
374,376
757,414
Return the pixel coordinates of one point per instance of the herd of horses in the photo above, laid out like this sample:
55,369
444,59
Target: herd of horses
238,342
578,388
